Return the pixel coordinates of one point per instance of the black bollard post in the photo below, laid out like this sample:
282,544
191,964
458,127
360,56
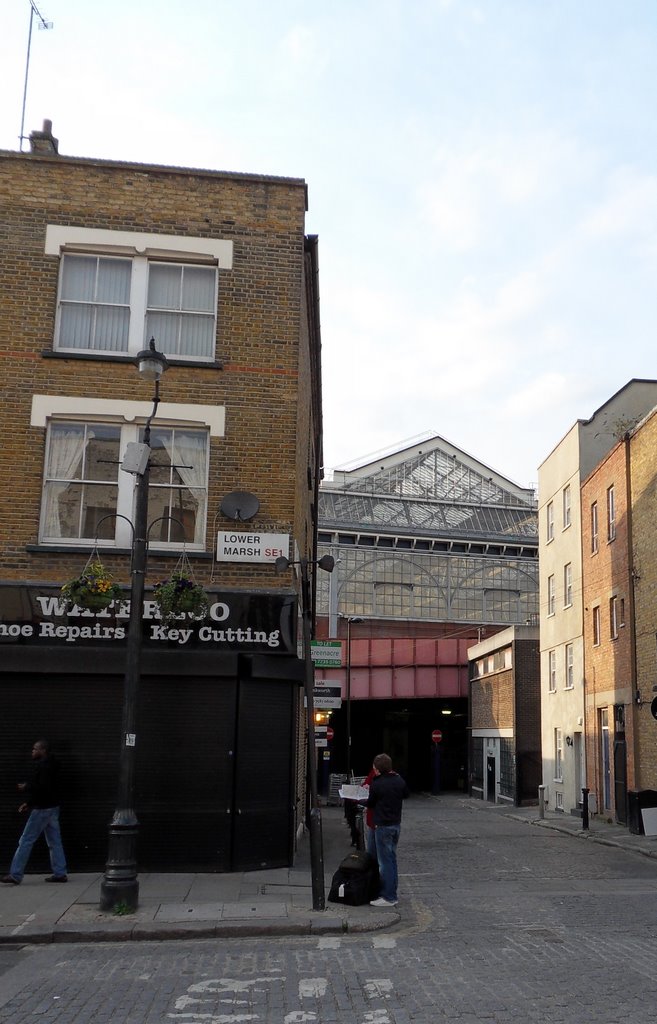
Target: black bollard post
585,808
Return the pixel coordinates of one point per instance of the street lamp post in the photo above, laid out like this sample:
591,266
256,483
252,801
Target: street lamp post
350,619
120,884
326,562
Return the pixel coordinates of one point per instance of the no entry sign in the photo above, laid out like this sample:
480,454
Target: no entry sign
436,736
329,732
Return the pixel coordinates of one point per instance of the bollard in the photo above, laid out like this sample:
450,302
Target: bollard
541,801
585,808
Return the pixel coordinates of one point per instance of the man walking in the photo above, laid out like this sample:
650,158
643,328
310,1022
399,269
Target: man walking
387,792
42,801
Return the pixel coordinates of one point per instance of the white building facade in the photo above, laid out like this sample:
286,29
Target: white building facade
563,682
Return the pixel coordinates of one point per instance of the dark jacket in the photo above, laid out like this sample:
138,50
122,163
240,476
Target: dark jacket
43,789
387,792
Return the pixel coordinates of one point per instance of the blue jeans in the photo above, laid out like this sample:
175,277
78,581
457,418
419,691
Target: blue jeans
44,820
387,837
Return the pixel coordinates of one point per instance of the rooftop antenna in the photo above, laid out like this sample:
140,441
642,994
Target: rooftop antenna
43,24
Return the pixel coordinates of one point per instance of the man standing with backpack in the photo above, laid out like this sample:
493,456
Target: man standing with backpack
387,792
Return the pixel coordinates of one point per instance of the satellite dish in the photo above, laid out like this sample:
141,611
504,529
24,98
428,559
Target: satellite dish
240,506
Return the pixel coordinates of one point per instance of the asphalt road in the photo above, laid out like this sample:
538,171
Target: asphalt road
501,921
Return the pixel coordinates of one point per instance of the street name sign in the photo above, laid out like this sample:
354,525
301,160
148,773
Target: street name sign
327,697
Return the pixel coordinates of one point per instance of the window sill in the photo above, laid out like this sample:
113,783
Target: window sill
107,357
84,549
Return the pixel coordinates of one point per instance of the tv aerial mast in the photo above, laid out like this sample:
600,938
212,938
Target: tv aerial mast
43,24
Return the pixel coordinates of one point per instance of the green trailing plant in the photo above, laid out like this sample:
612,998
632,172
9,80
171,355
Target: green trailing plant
94,589
180,595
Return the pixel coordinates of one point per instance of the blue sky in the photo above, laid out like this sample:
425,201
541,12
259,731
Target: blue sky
482,177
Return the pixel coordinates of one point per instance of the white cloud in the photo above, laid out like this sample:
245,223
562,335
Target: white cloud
476,186
630,206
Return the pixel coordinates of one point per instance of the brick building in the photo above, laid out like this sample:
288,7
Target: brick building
609,674
97,257
505,717
643,484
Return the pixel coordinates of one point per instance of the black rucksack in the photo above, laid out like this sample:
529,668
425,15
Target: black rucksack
356,881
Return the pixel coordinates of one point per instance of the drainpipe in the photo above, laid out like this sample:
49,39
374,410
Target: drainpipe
632,602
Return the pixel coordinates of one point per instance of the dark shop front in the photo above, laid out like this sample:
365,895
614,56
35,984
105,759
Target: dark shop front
217,724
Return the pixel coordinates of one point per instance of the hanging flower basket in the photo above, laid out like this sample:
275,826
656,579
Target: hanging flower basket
94,589
180,595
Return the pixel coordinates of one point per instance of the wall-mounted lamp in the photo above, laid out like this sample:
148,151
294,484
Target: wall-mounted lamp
569,741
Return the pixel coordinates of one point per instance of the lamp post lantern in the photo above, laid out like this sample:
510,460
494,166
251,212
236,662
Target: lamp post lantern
120,884
282,564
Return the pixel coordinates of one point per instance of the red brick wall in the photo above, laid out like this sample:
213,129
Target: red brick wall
608,667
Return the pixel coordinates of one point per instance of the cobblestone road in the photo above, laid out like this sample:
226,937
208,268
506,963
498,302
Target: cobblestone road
501,922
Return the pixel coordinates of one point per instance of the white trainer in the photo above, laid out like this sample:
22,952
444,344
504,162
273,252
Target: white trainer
383,903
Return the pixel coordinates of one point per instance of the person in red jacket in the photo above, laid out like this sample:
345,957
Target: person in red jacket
368,817
387,792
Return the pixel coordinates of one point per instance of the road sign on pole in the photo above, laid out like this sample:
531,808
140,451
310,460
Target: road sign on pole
436,736
327,697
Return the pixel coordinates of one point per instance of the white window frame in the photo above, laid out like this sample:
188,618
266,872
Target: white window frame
569,661
558,755
138,312
613,617
126,485
568,584
142,249
551,595
549,522
594,528
611,513
596,623
567,510
552,671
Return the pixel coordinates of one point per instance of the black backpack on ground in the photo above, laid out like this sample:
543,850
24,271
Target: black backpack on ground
356,881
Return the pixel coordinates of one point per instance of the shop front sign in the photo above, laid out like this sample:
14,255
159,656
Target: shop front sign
250,623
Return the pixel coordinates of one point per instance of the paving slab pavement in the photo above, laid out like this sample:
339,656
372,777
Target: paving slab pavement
193,905
271,902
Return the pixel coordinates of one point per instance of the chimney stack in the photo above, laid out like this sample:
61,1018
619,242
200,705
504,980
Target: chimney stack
44,141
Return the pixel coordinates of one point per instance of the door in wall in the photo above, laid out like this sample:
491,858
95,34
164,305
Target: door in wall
620,765
490,779
185,772
263,826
